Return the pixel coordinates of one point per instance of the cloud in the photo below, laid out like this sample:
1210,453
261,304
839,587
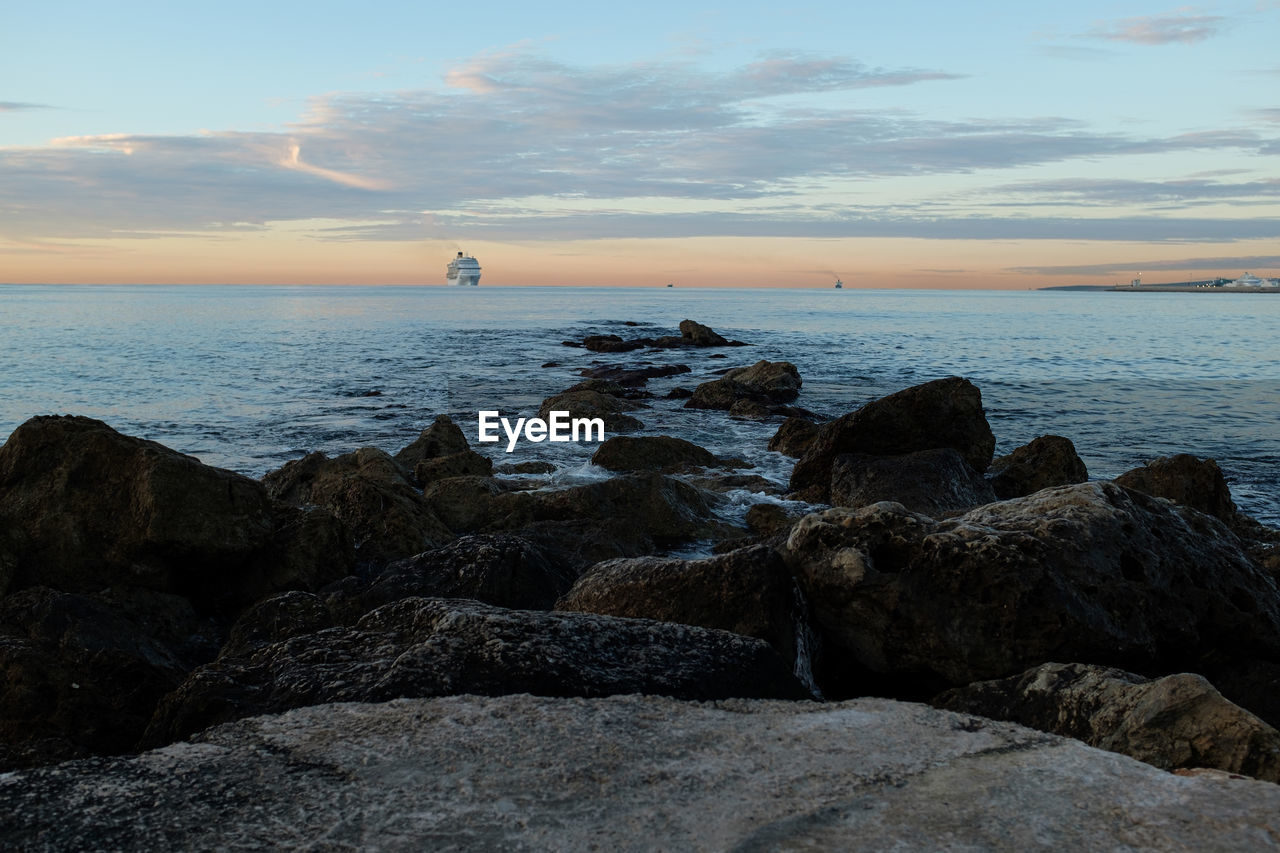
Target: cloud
1111,192
16,106
1178,28
1220,264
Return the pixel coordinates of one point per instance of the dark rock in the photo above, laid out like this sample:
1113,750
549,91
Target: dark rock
933,482
551,364
700,335
767,519
632,376
941,413
1049,460
277,618
670,342
593,404
751,410
1179,721
371,493
611,343
764,382
1092,573
717,355
747,592
439,647
651,453
442,438
679,393
464,504
468,463
794,437
721,483
88,507
1185,480
531,467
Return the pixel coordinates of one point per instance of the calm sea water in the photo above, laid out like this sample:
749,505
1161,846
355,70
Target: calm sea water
249,377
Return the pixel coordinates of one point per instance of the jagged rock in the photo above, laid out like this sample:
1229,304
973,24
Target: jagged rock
933,482
532,467
764,382
794,437
747,592
651,453
87,507
593,404
632,376
1179,721
1092,573
722,483
442,438
700,335
679,393
468,463
630,773
767,519
274,619
611,343
371,493
941,413
440,647
1049,460
498,569
82,674
1186,480
751,410
464,504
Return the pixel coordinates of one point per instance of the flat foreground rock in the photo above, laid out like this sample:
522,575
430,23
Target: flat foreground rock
629,773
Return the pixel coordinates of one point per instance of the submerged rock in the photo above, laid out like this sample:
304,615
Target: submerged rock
441,647
1049,460
1179,721
934,482
632,376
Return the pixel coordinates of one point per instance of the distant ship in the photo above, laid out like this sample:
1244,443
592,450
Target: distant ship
1250,280
839,284
463,270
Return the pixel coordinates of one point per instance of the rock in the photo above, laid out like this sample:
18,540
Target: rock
630,773
768,519
747,592
651,453
1049,460
1092,573
464,504
1185,480
751,410
468,463
793,437
632,376
440,647
533,467
764,382
89,508
941,413
498,569
933,482
700,335
82,674
1179,721
593,404
277,618
679,393
371,493
722,483
442,438
610,343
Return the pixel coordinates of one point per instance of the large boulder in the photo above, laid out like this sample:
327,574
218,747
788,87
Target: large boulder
442,438
935,482
1179,721
701,336
630,773
442,647
87,507
1093,573
1049,460
748,591
372,493
765,382
794,437
651,453
1186,480
942,413
593,404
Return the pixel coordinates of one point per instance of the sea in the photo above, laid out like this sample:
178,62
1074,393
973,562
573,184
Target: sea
250,377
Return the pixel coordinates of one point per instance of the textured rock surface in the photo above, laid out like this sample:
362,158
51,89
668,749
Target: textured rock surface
442,438
793,437
1179,721
942,413
651,453
934,482
1049,460
593,404
442,647
1186,480
1092,573
746,591
700,335
762,383
630,773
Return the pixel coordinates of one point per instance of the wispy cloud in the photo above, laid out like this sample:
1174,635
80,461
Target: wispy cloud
17,106
1181,27
1218,265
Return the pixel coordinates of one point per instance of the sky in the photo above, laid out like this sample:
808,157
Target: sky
905,144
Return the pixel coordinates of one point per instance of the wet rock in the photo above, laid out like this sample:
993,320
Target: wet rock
440,647
369,491
442,438
764,383
593,404
794,437
464,504
933,482
277,618
532,467
751,410
679,393
632,376
1049,460
700,335
722,483
941,413
747,592
468,463
89,507
611,343
1092,573
1186,480
651,453
767,519
1179,721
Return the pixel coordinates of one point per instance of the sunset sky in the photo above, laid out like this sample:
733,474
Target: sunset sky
903,144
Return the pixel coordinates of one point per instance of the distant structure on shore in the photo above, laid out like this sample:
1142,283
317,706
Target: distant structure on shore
1247,283
463,270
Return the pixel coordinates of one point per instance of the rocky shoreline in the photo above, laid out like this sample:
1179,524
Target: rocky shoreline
146,599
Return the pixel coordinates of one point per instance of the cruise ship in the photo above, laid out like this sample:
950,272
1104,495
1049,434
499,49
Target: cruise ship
463,270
